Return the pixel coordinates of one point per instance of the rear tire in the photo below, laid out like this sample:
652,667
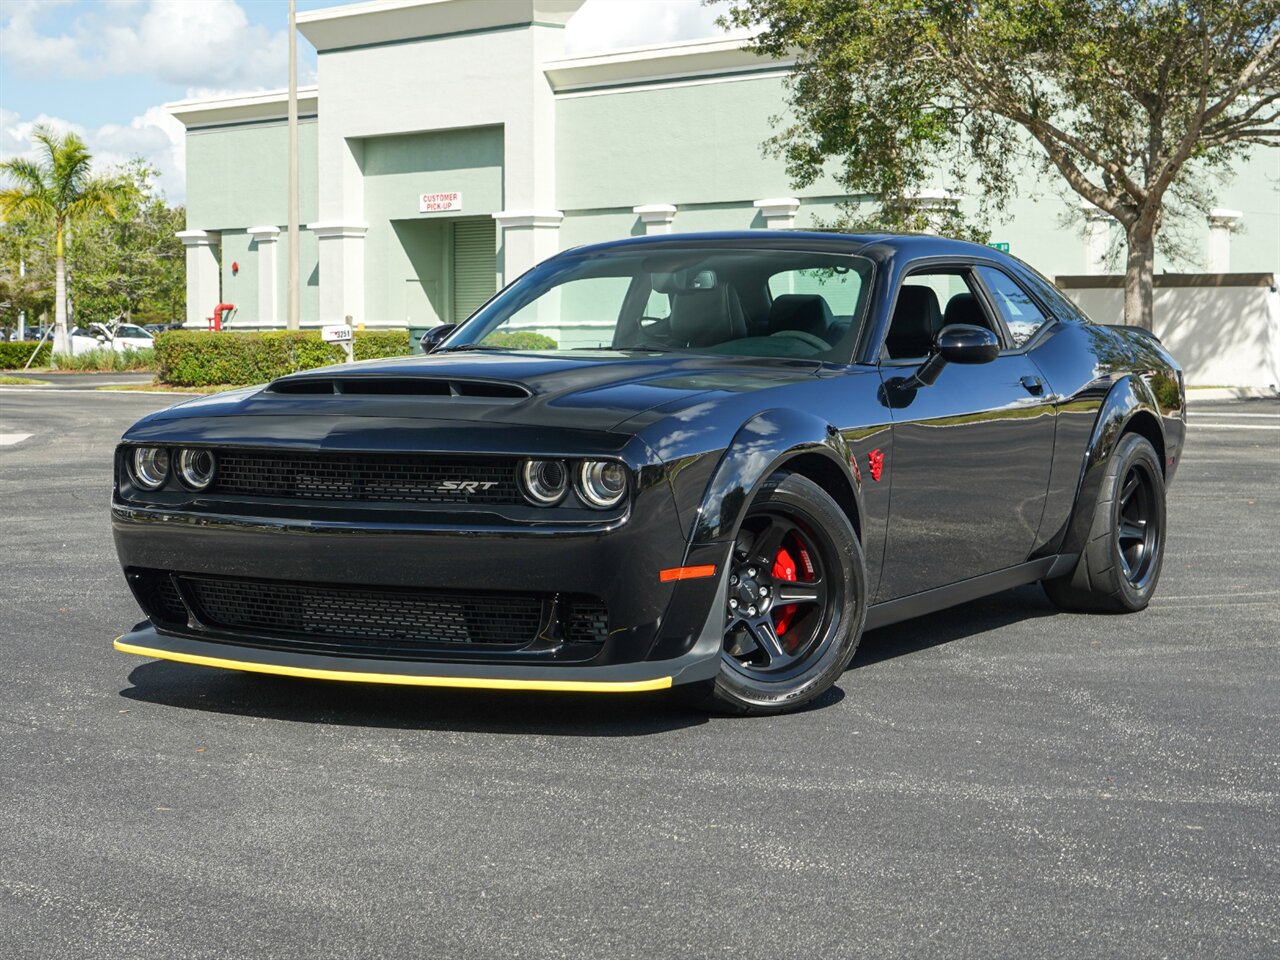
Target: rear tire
1120,565
796,544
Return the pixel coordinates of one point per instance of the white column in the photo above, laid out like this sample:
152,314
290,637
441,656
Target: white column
204,283
1097,239
528,238
656,217
779,212
937,206
264,239
341,270
1221,223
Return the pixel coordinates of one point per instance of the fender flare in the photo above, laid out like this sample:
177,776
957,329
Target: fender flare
1127,397
761,446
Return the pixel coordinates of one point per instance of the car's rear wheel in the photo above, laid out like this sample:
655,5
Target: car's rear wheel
1120,565
796,602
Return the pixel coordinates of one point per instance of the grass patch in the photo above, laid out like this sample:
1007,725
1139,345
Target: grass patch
8,381
167,388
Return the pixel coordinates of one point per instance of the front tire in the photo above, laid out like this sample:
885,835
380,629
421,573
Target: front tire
796,603
1120,565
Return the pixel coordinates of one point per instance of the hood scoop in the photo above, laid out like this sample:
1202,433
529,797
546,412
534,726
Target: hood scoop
367,386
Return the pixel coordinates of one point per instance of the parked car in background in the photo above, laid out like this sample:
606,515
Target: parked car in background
98,336
154,328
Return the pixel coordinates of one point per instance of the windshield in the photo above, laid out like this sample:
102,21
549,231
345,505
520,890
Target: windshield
757,303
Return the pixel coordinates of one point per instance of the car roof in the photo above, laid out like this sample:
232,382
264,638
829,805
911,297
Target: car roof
875,246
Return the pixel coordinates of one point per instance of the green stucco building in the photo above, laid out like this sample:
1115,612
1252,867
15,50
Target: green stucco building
450,145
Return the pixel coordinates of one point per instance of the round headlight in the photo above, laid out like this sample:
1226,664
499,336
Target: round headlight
195,468
544,482
602,483
150,467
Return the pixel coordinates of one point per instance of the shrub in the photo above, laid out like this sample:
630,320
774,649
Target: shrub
520,340
14,355
105,360
200,358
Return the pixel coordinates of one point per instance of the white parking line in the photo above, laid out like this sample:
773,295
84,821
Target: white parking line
9,439
1233,426
1234,416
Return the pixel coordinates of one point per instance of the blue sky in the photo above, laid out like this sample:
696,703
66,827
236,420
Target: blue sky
105,67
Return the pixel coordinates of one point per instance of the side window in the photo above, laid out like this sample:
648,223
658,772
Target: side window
926,303
658,306
1020,312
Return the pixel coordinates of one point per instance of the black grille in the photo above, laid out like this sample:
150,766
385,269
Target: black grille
401,478
384,616
158,596
585,621
394,622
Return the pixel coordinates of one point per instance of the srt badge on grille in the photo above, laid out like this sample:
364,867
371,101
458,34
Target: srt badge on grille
466,486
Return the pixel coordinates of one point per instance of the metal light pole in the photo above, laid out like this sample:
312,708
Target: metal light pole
22,314
293,320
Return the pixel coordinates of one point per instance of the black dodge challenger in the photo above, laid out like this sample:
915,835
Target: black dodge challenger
705,460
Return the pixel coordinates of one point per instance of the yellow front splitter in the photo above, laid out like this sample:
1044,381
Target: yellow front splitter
351,676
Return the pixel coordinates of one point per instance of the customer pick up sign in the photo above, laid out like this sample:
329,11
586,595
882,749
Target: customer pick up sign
439,202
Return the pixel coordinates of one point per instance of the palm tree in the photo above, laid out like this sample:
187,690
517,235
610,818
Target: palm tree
56,188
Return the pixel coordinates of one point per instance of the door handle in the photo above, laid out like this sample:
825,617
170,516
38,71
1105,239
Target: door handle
1034,385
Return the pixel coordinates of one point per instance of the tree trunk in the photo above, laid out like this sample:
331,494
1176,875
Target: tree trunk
61,342
1139,273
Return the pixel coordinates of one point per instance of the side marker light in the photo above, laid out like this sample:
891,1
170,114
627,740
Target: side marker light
687,573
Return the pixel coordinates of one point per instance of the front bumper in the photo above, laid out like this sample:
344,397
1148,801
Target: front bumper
659,634
699,663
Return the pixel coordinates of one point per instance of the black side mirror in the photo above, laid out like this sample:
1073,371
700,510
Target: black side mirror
962,343
433,337
957,343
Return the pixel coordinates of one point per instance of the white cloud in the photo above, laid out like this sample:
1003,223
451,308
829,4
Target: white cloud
602,25
209,47
191,43
154,135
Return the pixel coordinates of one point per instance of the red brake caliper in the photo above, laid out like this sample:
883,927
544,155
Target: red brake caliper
784,568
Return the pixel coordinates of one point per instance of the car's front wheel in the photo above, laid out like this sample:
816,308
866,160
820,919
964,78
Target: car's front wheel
1120,565
796,602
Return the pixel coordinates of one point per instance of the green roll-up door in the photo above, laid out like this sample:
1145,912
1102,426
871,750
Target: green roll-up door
475,265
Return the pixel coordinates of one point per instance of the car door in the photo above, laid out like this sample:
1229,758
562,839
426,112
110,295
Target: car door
971,452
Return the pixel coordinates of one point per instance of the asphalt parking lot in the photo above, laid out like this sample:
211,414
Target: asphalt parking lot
999,780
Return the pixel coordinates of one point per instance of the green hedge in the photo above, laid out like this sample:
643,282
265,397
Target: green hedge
14,355
200,358
520,340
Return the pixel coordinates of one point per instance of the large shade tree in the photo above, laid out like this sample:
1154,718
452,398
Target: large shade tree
1130,103
56,188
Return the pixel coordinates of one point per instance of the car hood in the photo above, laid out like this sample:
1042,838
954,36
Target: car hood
596,390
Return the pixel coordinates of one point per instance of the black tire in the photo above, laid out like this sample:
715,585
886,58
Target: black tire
1120,565
828,582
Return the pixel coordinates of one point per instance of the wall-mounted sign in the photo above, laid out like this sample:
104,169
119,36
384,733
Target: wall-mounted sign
439,202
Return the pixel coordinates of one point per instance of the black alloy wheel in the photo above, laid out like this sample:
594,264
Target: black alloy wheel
795,602
1138,530
779,601
1119,564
